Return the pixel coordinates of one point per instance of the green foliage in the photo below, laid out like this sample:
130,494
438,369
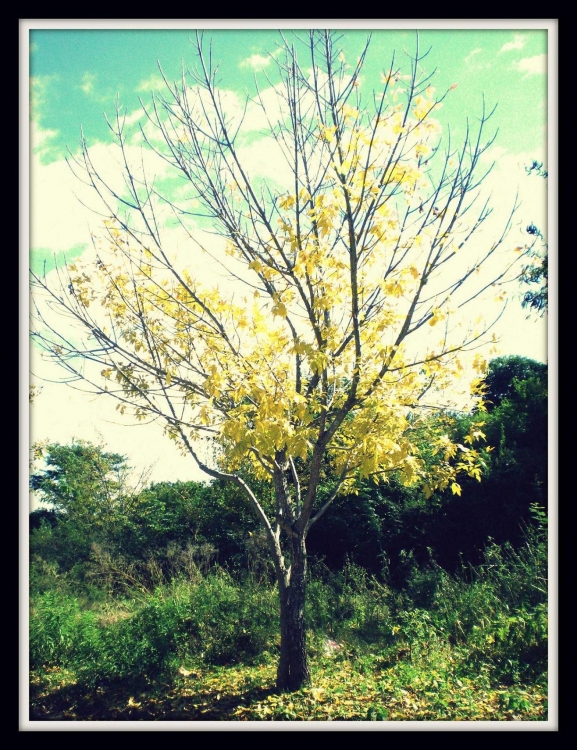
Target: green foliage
228,622
505,376
362,527
60,629
64,547
104,532
536,272
457,529
81,480
134,646
467,646
178,512
388,527
349,602
537,300
497,612
214,620
88,490
43,517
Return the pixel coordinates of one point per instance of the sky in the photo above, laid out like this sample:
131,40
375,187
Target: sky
78,75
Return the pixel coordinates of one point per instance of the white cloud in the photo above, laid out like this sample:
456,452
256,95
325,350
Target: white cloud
265,159
90,88
58,218
271,106
509,176
58,221
138,114
87,84
472,54
518,42
39,93
473,63
40,139
259,62
256,62
152,83
536,65
516,334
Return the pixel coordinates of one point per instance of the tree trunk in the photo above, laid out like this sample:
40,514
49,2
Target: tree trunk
293,669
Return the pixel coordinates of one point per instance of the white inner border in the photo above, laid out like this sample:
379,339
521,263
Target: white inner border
25,25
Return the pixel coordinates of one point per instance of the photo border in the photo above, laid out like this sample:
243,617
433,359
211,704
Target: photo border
25,25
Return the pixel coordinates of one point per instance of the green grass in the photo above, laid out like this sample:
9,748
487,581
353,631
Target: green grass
471,647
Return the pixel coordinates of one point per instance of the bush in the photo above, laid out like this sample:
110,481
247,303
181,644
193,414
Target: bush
350,602
227,622
59,629
495,612
214,620
490,619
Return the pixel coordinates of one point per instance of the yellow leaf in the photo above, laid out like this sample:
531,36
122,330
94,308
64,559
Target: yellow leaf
255,265
287,202
280,310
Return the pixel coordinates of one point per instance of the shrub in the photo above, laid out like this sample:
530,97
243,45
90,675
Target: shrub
227,622
59,629
214,620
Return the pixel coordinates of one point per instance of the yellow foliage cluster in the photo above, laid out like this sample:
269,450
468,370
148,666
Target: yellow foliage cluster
314,351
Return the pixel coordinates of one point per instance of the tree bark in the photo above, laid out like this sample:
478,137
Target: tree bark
293,669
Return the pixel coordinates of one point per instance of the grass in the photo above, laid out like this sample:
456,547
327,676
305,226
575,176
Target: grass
345,688
471,647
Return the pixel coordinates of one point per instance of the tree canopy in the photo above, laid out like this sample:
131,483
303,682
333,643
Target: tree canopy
81,479
504,375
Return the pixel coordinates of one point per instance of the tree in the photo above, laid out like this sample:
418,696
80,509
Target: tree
504,374
42,516
81,480
88,490
537,270
214,515
343,330
386,520
516,479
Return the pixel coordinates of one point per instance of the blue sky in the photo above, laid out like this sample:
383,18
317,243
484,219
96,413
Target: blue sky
76,75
